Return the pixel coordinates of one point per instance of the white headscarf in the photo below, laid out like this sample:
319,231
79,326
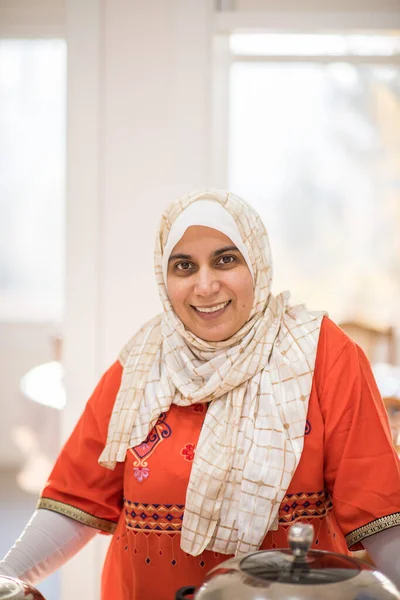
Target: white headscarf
209,214
258,383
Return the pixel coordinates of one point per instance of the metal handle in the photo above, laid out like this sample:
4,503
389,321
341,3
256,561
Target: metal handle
301,537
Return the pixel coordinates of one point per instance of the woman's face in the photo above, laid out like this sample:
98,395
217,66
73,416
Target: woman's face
210,286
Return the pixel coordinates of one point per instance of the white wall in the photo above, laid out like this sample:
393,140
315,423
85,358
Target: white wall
360,6
22,347
30,18
306,15
138,136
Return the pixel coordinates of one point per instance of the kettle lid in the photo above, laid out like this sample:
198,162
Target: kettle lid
299,565
14,589
10,588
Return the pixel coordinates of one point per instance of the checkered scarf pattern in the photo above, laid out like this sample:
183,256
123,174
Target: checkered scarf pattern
257,384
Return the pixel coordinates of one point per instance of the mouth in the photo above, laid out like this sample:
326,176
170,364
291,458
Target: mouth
211,312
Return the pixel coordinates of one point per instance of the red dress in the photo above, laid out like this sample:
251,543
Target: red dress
347,483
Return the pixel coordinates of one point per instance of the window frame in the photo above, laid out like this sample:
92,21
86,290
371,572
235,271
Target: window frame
227,23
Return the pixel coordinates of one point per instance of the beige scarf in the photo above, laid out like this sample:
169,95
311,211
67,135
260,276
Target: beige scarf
258,384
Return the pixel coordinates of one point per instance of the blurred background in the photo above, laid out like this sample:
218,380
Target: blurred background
109,109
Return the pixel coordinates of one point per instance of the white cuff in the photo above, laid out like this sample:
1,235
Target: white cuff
48,541
384,549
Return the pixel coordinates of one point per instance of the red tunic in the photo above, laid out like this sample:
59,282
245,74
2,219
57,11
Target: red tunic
347,483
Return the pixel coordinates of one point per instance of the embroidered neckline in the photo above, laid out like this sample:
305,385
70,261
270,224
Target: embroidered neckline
142,453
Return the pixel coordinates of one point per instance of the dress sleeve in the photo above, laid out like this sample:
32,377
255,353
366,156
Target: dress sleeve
78,486
361,466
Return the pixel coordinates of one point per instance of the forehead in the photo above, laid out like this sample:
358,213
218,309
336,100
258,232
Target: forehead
199,237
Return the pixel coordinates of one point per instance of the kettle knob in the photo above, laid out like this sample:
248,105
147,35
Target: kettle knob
301,537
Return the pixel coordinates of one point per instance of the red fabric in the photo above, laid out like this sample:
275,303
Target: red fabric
348,475
77,479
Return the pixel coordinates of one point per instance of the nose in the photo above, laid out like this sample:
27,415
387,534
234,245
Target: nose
206,283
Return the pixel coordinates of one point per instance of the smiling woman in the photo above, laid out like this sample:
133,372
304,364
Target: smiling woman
209,284
218,415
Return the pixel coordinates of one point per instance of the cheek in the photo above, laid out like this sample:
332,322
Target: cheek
176,293
243,285
249,298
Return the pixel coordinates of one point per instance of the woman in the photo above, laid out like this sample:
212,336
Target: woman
225,419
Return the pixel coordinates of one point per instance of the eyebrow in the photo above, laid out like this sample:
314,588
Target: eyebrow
214,254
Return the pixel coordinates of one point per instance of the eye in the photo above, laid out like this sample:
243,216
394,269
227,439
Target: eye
226,260
184,266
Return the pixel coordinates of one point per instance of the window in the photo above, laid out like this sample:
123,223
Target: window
32,178
314,144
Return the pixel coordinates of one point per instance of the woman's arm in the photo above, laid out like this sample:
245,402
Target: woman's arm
384,549
48,541
361,465
80,496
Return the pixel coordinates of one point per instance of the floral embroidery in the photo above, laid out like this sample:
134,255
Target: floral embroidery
143,451
188,451
308,428
141,473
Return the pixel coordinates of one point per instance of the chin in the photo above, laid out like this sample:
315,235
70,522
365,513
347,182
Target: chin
213,336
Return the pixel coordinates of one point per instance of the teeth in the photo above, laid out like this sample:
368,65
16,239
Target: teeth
213,309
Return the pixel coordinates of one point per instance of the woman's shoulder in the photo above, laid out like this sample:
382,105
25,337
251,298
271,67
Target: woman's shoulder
332,338
104,394
331,332
334,347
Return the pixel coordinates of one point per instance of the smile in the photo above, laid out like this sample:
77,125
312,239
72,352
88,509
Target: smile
211,309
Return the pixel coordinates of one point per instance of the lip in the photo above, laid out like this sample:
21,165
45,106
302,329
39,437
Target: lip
211,316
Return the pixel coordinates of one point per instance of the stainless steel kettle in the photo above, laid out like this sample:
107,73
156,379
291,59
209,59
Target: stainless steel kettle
14,589
297,573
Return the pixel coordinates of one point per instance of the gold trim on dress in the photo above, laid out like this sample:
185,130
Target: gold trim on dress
77,514
376,526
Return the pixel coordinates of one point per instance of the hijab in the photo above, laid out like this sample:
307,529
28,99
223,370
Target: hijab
257,384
